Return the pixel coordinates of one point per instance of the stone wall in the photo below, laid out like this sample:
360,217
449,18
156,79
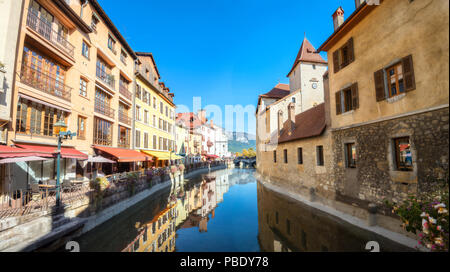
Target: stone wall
374,177
300,178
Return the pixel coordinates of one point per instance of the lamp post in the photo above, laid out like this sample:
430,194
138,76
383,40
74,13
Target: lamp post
61,133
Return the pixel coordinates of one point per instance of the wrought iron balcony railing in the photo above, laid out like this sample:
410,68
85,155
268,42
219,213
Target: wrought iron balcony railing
105,77
124,142
45,30
124,91
44,82
123,117
103,108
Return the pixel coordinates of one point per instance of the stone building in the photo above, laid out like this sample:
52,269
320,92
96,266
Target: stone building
293,137
389,91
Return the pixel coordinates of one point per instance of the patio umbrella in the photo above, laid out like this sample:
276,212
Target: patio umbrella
100,159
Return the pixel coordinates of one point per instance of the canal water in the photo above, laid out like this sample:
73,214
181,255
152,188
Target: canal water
226,211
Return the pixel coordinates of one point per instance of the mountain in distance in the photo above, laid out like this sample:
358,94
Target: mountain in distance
237,141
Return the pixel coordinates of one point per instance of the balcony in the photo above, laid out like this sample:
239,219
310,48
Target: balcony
124,142
103,108
45,31
44,82
103,141
105,77
123,118
124,91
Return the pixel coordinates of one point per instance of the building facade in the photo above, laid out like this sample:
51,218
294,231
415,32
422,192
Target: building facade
388,87
154,113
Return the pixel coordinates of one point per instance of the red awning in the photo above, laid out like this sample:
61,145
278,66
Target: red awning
13,152
124,155
50,151
211,156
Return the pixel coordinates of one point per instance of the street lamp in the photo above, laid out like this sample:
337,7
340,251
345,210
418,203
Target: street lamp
60,128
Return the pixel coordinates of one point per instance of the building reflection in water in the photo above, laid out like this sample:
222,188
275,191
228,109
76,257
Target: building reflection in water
287,225
188,206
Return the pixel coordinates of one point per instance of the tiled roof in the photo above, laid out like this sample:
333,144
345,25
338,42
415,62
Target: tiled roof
186,117
307,53
279,91
310,123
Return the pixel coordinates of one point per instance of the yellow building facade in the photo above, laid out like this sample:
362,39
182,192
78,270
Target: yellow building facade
154,113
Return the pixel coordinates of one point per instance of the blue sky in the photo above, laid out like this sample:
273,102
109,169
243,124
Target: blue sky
226,52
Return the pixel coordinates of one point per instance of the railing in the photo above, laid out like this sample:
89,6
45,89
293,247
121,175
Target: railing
46,31
103,108
105,77
124,91
124,142
44,82
123,117
23,202
103,141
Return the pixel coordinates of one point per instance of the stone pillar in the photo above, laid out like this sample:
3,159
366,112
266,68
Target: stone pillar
372,219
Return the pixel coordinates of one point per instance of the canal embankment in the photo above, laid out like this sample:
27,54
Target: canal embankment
385,226
51,229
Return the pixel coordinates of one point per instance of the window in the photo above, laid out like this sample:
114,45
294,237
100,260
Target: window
154,120
285,156
343,56
347,99
138,91
146,116
94,22
350,151
293,99
154,102
319,151
314,67
83,87
112,44
154,142
138,138
288,227
395,80
403,156
138,113
81,132
275,156
123,57
145,140
161,108
300,155
102,132
85,50
167,111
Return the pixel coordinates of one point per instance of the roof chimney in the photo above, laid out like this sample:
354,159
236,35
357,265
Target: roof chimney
358,3
202,116
338,18
280,122
291,117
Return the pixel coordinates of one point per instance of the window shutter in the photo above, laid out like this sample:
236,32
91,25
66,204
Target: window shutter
338,103
355,98
379,85
336,61
408,73
351,52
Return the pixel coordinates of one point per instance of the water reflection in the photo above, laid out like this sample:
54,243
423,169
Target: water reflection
227,211
286,225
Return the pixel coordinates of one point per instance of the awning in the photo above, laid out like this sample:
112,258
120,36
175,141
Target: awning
162,155
22,159
13,152
123,155
49,151
211,156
